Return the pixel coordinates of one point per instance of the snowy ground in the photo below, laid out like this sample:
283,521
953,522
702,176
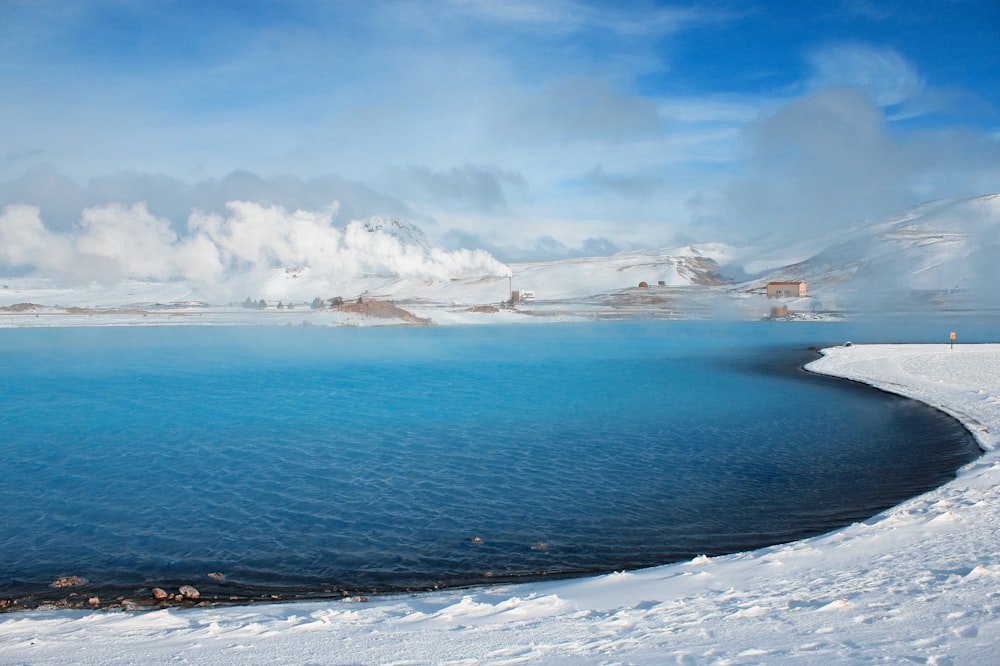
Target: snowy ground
919,583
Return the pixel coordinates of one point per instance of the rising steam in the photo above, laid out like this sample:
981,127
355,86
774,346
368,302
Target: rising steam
117,242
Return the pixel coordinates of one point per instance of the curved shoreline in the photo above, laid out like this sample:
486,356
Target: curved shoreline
957,418
837,362
215,590
916,583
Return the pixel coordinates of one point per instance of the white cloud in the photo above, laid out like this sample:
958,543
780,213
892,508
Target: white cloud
831,159
882,72
824,160
24,241
250,236
62,200
129,242
497,121
115,242
575,110
477,187
570,16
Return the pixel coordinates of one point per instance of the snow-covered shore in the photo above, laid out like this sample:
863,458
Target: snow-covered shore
915,584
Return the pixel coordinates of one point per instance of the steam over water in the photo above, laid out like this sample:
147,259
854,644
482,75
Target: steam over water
327,459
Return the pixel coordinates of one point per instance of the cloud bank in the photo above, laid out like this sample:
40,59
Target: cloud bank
857,144
117,241
541,129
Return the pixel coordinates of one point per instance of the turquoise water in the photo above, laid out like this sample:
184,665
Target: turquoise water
314,460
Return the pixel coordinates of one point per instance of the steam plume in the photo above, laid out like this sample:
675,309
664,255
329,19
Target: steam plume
116,242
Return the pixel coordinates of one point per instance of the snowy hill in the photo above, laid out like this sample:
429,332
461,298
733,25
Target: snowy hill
591,276
406,233
550,280
578,278
938,257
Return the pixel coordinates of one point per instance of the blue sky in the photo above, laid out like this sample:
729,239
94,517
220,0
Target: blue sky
532,129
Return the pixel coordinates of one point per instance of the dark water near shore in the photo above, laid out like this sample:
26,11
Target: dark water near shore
317,460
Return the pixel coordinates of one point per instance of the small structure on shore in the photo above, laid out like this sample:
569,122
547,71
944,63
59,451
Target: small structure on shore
786,289
516,296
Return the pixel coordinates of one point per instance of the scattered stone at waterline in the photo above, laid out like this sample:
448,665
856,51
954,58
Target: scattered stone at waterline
68,581
358,599
217,576
189,592
159,593
94,601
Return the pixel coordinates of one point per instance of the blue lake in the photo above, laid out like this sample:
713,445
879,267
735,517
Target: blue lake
310,461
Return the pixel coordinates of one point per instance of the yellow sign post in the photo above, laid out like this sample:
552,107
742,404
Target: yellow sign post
952,336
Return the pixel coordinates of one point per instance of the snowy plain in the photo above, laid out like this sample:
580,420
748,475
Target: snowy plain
917,583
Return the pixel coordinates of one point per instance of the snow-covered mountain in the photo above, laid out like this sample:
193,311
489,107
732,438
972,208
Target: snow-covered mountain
406,233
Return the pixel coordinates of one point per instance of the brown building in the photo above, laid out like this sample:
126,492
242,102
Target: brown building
786,289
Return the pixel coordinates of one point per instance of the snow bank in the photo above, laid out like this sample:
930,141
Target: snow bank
917,583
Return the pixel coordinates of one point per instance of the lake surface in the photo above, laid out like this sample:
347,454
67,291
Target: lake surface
304,460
